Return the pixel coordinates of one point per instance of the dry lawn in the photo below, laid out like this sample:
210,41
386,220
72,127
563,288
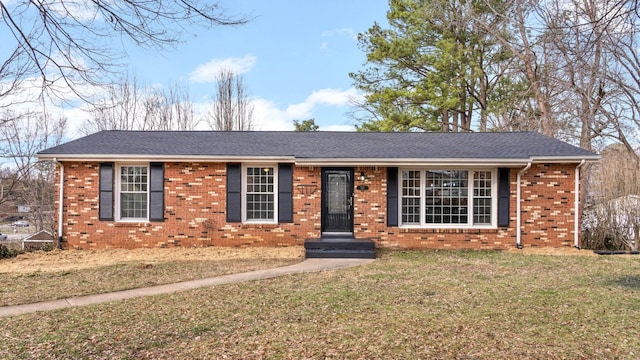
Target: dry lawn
65,260
405,305
41,276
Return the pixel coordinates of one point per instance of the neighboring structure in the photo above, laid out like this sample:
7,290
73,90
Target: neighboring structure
38,241
132,189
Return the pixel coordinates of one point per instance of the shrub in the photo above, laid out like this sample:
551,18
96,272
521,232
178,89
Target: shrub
48,247
7,252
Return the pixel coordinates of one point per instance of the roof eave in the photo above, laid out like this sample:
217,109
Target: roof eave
322,161
166,158
441,162
564,159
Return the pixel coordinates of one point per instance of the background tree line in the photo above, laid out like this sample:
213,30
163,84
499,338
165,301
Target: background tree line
131,105
568,69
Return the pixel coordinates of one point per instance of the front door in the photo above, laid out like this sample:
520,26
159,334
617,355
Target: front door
337,201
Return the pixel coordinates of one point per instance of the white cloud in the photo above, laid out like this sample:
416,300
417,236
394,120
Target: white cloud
80,10
338,128
29,98
207,72
333,97
341,32
75,118
301,110
269,117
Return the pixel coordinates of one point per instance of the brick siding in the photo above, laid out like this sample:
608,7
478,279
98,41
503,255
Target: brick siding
195,203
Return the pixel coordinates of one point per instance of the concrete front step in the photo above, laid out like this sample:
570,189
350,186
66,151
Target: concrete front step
343,248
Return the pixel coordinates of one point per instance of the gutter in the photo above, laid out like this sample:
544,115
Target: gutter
169,158
576,216
319,161
519,206
61,204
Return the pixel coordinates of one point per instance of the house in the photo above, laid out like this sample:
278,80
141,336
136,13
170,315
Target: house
131,189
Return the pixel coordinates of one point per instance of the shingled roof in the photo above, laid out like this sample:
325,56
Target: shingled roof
310,147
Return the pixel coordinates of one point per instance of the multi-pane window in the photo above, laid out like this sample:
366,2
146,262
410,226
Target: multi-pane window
133,192
446,197
411,197
482,199
442,197
260,193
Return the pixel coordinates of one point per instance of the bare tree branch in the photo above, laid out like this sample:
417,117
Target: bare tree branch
70,44
130,105
231,109
29,182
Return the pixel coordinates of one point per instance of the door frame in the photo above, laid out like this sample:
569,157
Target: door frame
350,201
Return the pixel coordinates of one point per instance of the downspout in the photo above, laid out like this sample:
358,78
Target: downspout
60,202
518,206
576,216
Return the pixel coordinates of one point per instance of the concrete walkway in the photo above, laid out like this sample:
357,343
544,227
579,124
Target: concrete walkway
308,265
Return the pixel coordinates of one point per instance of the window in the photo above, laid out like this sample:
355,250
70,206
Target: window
133,197
411,197
482,200
447,197
260,194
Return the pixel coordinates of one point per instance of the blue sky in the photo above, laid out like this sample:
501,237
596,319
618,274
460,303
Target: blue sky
294,56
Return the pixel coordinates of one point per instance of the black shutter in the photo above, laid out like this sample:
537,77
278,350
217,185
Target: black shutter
392,196
285,193
105,202
503,197
156,191
234,195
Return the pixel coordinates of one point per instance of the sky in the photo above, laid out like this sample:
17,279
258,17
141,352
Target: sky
294,56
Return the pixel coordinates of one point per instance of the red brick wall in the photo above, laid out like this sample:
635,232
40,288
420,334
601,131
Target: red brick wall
371,222
547,216
195,204
548,200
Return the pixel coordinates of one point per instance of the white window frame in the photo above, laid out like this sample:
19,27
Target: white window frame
117,192
275,194
470,208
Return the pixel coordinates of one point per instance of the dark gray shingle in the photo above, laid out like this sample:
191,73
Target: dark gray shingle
312,145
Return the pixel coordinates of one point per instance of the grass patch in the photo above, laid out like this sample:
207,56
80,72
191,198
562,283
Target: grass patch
406,305
22,288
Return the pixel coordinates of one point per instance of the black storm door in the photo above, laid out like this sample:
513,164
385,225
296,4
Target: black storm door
337,200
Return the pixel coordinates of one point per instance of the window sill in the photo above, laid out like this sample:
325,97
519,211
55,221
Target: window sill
253,225
260,222
131,223
449,230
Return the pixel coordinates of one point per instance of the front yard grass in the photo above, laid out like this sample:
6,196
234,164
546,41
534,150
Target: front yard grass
405,305
23,288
